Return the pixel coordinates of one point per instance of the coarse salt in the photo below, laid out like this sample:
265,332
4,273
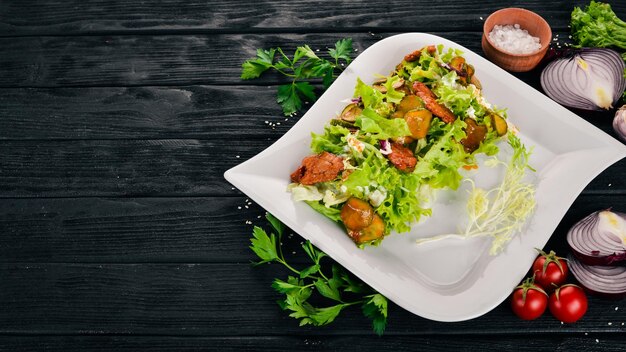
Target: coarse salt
514,39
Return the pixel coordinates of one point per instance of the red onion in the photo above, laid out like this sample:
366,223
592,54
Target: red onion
609,281
385,147
588,79
619,123
600,238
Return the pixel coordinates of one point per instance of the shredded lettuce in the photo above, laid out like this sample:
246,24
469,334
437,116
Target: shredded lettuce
501,212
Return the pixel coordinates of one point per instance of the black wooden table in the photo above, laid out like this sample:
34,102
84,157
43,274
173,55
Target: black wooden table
117,229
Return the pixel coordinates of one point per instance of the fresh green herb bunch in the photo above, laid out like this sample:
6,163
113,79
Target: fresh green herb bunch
341,289
304,66
598,26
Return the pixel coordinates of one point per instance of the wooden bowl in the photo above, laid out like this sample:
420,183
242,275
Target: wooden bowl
528,20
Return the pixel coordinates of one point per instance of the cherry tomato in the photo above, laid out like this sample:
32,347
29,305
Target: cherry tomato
529,301
550,271
568,303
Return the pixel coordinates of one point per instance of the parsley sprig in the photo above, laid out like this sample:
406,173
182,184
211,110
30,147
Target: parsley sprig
340,289
304,66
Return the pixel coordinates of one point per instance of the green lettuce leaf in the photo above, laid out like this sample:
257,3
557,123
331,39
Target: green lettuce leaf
381,128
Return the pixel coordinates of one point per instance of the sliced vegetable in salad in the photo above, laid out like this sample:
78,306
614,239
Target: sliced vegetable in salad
375,165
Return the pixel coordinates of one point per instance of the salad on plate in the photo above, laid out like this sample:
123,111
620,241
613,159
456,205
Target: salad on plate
377,163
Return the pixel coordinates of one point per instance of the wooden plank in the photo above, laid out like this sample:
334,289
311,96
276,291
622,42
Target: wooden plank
606,342
197,112
218,300
65,17
149,60
205,112
133,60
171,230
172,167
186,230
120,168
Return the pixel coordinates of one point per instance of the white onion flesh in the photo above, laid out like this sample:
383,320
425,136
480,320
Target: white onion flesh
588,79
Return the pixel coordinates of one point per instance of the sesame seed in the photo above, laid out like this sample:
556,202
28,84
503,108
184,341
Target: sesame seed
481,18
238,207
609,323
616,308
237,156
246,206
586,333
597,340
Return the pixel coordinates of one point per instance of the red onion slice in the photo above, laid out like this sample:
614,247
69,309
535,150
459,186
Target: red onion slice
600,238
588,79
608,281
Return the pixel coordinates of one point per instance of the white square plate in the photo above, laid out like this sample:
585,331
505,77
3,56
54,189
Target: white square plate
448,280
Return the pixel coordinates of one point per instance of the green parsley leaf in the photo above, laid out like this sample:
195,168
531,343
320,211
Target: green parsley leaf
299,288
304,65
295,301
326,315
276,224
342,50
266,56
327,291
376,309
309,271
313,253
327,80
263,245
286,287
251,69
303,51
336,281
255,67
288,99
306,89
352,285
